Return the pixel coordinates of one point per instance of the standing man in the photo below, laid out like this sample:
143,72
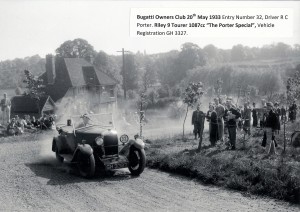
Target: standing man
198,119
232,116
5,108
254,115
277,111
220,110
270,124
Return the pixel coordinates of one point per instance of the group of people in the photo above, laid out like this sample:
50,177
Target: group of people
227,119
18,125
219,117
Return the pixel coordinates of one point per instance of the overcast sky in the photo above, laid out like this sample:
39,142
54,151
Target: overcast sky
39,27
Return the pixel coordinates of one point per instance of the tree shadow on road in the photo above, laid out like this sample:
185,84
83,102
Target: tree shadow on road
67,173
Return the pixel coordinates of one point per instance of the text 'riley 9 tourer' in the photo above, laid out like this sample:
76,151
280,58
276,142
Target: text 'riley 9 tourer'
91,141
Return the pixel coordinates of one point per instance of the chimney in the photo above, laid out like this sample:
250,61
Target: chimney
90,59
50,68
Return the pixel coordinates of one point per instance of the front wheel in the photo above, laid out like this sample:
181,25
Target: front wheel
137,161
86,165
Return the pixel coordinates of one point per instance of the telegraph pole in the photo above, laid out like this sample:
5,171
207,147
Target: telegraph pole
123,71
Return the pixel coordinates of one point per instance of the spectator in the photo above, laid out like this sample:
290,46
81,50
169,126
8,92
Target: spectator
11,127
232,116
213,125
28,125
44,122
198,119
277,112
35,122
270,124
254,115
19,125
5,108
208,115
220,110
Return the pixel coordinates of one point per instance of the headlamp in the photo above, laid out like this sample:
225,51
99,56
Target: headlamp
99,141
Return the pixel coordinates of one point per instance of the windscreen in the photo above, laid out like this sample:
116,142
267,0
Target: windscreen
103,120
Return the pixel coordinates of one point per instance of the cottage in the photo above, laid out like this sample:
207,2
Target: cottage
25,105
79,79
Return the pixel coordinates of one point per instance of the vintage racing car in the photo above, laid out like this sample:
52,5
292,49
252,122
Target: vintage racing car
91,141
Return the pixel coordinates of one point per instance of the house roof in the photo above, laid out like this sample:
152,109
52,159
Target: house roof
25,104
80,71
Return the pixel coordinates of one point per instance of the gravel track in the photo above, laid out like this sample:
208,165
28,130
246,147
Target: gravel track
32,180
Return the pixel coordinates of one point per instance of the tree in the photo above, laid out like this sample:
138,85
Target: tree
76,48
149,76
129,74
270,83
18,91
293,86
282,50
35,87
192,95
212,53
102,61
178,64
108,64
238,53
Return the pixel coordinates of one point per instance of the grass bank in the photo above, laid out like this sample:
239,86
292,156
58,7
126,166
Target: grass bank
248,169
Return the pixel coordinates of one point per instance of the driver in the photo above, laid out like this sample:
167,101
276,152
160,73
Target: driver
85,121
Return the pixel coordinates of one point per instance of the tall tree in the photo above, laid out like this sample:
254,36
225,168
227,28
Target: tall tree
149,76
108,64
190,56
130,73
76,48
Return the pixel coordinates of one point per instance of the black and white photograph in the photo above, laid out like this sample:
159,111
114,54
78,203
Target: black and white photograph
149,105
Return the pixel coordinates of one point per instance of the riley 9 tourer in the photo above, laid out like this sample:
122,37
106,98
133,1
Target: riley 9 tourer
91,141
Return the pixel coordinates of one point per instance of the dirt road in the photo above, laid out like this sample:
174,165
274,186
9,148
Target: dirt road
31,180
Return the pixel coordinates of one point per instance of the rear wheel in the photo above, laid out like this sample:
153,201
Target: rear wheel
86,165
137,161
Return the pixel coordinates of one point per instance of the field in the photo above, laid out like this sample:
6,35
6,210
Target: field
249,169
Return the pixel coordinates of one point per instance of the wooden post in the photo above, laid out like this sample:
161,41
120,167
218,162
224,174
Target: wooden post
123,71
284,138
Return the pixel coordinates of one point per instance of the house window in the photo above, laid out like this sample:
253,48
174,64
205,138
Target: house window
111,93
